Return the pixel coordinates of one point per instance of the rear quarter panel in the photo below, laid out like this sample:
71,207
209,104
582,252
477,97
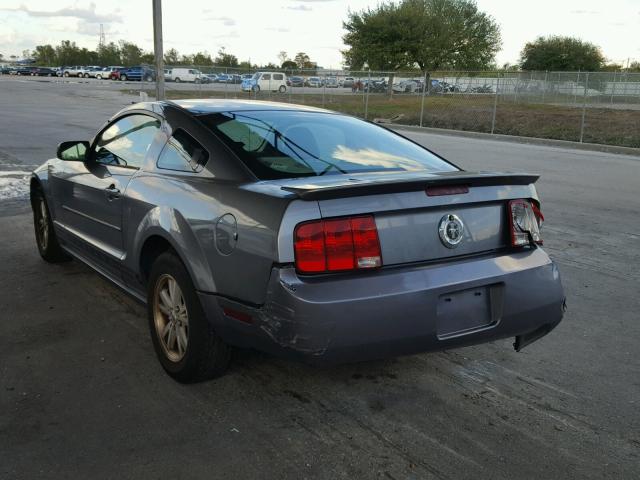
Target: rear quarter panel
185,210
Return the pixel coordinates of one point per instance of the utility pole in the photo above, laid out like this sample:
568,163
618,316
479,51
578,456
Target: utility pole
102,40
157,48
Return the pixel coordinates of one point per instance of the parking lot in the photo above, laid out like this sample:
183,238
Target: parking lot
81,392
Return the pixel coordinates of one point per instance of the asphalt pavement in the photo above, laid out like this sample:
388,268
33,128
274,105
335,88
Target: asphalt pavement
82,395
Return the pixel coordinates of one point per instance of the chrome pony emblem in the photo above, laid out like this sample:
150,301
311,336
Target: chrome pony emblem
451,230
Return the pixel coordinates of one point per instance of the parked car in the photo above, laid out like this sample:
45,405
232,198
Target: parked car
103,73
406,86
247,76
22,70
269,81
43,72
75,71
315,82
297,231
115,74
211,77
222,78
184,75
5,70
331,82
347,82
136,74
295,81
375,86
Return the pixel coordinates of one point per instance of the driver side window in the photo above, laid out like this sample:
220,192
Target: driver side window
125,143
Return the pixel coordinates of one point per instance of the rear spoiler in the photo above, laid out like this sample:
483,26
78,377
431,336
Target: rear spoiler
394,185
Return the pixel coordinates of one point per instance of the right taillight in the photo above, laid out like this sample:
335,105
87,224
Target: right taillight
337,245
525,219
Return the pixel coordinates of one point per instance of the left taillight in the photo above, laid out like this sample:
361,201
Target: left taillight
525,219
337,245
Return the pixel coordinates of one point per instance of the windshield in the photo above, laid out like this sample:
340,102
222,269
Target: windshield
290,144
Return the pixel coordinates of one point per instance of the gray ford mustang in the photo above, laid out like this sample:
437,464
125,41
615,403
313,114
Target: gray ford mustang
297,231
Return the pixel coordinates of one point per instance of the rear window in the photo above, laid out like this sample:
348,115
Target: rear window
290,144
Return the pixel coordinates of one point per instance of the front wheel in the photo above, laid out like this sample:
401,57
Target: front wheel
48,246
185,343
177,80
282,89
256,89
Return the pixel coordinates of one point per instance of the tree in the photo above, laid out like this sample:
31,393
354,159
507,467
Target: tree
301,59
108,54
225,59
557,53
430,33
633,67
171,57
130,53
45,55
202,58
289,65
283,57
67,53
377,38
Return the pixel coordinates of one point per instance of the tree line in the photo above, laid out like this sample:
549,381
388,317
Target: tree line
128,54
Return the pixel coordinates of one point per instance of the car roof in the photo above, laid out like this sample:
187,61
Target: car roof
203,106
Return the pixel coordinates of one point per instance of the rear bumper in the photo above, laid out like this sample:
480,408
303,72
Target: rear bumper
397,311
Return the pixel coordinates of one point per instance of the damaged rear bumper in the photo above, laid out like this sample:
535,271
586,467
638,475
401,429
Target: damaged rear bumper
397,311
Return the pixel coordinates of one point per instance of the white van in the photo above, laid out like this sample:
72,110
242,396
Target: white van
183,75
268,81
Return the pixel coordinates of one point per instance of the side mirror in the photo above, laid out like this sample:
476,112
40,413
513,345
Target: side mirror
73,151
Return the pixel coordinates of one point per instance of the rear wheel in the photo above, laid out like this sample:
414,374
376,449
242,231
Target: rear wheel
282,89
185,343
123,77
147,78
46,239
98,77
177,80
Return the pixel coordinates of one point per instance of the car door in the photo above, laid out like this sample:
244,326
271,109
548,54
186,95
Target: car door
90,193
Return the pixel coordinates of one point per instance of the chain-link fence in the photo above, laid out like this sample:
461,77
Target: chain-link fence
596,107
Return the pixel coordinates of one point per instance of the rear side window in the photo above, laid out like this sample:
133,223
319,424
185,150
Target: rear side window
288,144
277,76
183,153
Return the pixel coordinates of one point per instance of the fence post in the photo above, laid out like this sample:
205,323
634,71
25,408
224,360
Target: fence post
544,85
495,106
366,98
324,89
584,106
613,87
424,90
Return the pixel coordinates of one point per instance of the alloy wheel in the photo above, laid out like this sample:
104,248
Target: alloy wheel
171,318
43,225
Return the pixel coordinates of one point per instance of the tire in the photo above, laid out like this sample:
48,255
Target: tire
197,80
123,77
147,78
205,355
86,75
48,246
282,89
177,80
98,77
256,89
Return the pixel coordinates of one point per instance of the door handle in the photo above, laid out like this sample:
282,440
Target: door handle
112,192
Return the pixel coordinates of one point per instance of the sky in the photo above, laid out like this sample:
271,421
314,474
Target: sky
257,30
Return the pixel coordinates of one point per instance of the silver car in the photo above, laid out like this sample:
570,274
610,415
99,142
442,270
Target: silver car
296,231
